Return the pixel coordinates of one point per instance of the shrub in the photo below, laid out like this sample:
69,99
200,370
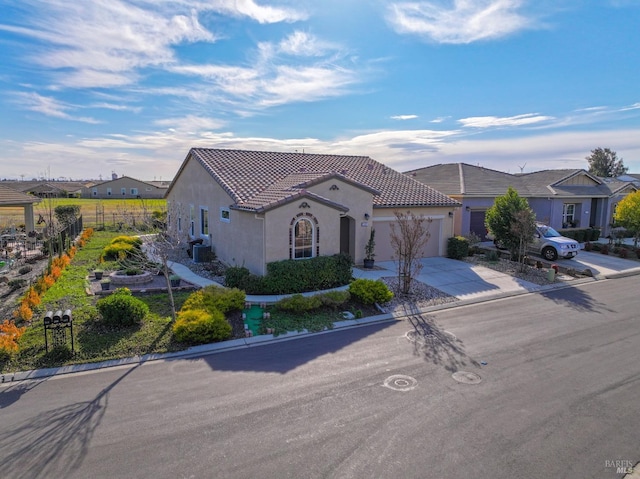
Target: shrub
298,303
25,270
594,234
604,249
295,276
17,283
457,247
492,255
334,299
369,291
121,247
237,277
9,335
197,326
623,253
23,313
121,308
213,298
588,246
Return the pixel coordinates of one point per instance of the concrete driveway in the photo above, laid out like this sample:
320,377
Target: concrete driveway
601,265
457,278
467,281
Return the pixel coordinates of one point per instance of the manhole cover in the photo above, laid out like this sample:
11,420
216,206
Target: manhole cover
400,382
466,377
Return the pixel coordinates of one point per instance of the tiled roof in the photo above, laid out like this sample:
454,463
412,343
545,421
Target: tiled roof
259,179
11,197
462,179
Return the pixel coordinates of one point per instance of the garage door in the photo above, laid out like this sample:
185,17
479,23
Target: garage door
384,250
476,224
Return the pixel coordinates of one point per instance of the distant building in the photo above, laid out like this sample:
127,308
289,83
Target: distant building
126,188
49,188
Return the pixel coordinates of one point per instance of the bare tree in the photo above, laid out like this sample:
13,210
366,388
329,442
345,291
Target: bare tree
159,242
409,235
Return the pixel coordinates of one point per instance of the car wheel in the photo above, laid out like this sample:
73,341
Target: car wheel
550,253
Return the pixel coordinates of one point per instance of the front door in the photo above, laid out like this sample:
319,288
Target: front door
347,232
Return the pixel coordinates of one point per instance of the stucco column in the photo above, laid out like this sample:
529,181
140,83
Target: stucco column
29,224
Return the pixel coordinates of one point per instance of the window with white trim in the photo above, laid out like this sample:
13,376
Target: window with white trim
94,192
204,221
568,214
225,215
108,191
303,238
123,191
134,191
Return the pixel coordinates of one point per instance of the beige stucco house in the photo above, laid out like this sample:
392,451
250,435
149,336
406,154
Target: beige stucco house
126,187
256,207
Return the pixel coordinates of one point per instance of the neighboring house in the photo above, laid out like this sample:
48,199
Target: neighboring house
126,187
256,207
48,189
12,198
559,198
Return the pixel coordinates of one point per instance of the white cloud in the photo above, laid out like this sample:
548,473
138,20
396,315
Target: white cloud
304,44
467,21
494,121
102,43
50,107
404,117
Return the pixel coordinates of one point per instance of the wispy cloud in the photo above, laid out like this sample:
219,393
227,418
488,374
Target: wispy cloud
50,107
404,117
465,22
494,121
103,43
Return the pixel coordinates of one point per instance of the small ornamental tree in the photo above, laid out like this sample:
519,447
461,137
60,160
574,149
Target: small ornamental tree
501,217
409,235
628,214
523,227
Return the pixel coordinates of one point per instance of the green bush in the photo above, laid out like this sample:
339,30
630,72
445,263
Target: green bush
369,291
293,276
214,298
334,299
25,270
121,308
457,247
17,283
121,247
594,234
298,303
197,326
492,255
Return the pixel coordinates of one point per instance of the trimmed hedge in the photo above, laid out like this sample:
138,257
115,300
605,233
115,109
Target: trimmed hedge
298,303
214,298
293,276
581,235
457,247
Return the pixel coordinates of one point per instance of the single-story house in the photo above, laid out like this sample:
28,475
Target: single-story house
126,187
48,188
561,198
257,207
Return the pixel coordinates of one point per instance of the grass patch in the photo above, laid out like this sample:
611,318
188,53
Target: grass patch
282,322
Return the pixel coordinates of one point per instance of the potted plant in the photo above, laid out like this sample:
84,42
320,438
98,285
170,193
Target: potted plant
98,274
174,279
105,284
369,249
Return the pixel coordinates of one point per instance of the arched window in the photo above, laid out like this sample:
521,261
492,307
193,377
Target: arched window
303,238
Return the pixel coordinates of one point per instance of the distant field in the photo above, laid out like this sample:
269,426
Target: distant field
93,211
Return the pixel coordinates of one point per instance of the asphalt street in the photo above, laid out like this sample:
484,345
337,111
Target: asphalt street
542,385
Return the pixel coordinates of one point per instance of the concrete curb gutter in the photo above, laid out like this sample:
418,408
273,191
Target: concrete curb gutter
242,343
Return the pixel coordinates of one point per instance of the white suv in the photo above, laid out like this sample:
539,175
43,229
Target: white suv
550,244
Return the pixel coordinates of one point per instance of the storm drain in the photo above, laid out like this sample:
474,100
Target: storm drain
400,382
466,377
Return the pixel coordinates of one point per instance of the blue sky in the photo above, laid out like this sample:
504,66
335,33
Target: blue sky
94,87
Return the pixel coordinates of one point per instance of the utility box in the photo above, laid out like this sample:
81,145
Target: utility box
201,253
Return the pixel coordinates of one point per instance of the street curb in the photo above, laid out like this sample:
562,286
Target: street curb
235,344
